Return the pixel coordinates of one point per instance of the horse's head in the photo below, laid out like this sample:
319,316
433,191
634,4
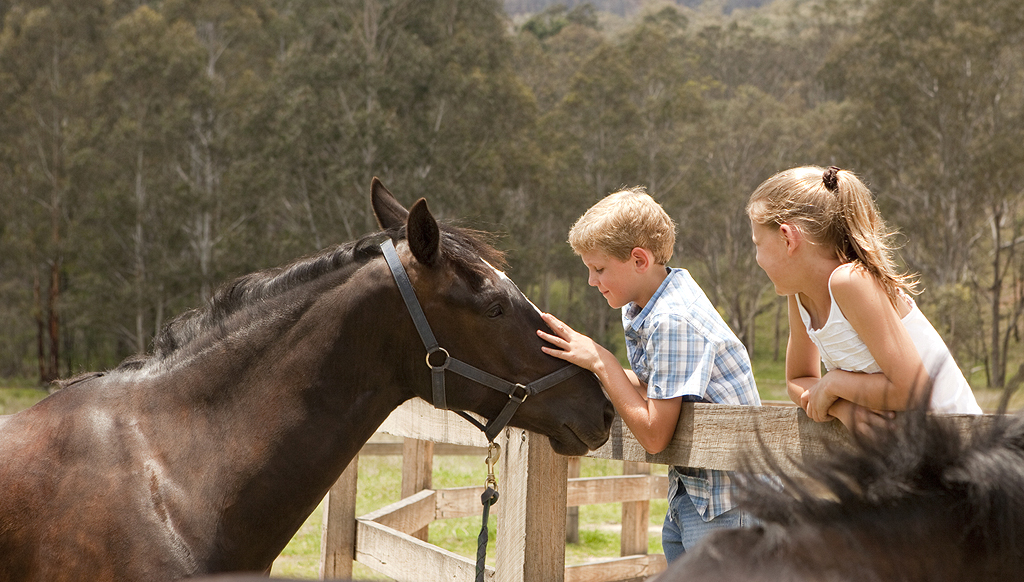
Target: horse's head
481,318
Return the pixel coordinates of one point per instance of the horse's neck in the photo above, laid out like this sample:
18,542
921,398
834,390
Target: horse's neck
280,416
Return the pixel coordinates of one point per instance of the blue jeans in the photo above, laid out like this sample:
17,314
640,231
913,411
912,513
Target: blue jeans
684,527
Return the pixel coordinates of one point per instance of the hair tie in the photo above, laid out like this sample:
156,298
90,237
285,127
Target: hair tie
831,179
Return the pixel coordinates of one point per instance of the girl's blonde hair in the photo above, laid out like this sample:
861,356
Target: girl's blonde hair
834,208
623,221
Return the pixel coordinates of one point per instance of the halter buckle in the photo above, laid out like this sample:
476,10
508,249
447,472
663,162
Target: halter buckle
513,396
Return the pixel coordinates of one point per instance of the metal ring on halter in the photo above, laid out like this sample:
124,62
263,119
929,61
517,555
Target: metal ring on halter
444,365
513,396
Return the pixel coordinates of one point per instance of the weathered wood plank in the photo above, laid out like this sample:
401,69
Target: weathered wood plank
440,449
409,515
625,568
418,419
717,436
615,488
404,557
464,502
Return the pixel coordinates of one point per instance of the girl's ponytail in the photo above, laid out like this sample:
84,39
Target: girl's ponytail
867,239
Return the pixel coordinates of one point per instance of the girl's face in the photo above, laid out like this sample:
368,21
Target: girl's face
615,279
773,255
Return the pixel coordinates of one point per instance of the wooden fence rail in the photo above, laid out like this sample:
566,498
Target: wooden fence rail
535,492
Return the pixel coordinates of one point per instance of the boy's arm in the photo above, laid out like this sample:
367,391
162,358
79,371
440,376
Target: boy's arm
652,421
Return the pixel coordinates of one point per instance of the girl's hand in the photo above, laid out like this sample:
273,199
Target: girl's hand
569,344
819,398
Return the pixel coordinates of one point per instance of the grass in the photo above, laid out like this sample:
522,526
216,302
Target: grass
14,399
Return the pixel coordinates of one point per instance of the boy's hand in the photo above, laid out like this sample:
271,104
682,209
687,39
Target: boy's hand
569,344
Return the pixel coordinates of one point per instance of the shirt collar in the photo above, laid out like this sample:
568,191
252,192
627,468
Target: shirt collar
633,316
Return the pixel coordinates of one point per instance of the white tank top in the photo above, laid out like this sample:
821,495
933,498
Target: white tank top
840,347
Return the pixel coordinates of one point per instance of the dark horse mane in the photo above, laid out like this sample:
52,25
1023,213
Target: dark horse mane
922,463
462,247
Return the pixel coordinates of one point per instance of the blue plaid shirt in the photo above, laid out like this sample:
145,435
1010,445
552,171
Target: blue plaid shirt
680,346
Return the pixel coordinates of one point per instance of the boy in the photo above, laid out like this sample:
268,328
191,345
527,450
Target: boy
679,348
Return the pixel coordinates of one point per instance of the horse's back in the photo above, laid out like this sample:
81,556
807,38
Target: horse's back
73,488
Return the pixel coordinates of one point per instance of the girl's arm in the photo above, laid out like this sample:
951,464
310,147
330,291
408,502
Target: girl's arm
903,378
803,363
652,421
858,418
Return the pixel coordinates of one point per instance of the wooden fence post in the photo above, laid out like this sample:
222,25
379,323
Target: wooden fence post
636,515
572,514
417,472
338,533
531,527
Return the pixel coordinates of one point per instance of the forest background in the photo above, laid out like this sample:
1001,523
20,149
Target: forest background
150,151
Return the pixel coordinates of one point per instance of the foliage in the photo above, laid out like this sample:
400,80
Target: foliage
156,149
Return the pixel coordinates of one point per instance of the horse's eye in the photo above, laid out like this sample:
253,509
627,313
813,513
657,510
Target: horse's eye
495,311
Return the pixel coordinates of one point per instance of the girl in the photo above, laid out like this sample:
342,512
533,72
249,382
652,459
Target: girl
820,239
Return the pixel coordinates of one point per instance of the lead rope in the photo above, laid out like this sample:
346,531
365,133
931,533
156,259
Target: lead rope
489,498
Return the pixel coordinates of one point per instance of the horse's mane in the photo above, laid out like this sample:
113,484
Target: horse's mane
461,247
921,461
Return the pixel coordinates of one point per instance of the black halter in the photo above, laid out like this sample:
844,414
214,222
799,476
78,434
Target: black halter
517,393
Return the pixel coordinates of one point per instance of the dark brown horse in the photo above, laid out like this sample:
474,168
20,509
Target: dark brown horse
209,454
921,502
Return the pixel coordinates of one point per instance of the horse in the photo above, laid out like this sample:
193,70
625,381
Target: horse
207,454
920,500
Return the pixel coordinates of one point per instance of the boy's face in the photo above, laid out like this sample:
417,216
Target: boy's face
615,279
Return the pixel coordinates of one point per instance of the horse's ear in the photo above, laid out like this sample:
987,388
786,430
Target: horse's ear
389,212
423,235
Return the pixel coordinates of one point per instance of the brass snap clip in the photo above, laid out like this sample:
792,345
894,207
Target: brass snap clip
493,454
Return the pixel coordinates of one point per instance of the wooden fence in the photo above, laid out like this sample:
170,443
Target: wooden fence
535,491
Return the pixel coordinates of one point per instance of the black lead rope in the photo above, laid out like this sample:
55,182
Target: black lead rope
489,498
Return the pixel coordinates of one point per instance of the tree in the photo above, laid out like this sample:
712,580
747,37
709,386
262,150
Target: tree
143,103
48,50
932,98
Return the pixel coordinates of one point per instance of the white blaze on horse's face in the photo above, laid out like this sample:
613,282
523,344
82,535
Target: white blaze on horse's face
502,275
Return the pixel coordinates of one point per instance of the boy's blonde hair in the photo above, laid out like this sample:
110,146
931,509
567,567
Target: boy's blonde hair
834,208
623,221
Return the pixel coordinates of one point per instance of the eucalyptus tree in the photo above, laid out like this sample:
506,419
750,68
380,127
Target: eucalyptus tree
757,115
421,94
545,206
239,46
144,99
48,50
933,95
591,139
